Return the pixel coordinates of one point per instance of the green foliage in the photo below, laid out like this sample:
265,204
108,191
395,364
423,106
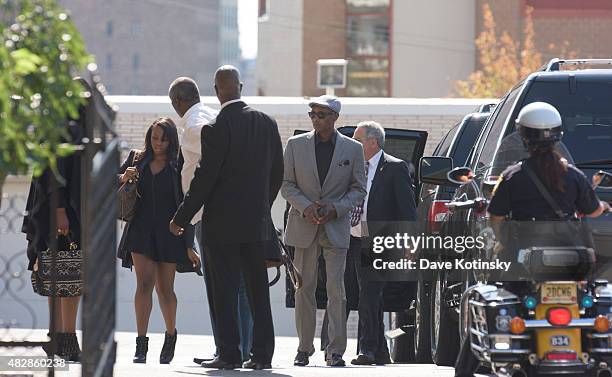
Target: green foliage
40,52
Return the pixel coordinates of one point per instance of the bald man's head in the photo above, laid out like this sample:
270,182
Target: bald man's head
227,83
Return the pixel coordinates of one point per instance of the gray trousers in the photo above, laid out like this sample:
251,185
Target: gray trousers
306,261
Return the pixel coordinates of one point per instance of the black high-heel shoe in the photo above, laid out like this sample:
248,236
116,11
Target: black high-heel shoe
51,348
142,347
167,352
69,347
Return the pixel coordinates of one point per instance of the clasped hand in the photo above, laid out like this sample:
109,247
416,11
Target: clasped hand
320,213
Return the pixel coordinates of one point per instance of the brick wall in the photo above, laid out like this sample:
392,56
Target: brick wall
434,116
582,25
324,38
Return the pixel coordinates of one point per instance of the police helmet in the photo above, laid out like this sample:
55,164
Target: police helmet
539,125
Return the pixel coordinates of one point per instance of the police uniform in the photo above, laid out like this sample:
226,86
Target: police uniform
516,195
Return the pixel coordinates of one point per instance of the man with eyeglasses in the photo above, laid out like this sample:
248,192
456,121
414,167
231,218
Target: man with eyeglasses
324,180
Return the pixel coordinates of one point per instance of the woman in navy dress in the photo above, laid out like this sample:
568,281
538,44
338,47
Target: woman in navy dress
147,243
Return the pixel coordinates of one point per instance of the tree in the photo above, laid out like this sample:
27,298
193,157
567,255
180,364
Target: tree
504,62
40,52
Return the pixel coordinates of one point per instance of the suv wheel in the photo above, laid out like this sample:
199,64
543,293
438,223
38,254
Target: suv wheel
444,350
422,341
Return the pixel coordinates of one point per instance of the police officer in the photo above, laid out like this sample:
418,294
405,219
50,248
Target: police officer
516,197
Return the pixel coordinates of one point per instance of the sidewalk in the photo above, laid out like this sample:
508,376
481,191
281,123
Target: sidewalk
189,346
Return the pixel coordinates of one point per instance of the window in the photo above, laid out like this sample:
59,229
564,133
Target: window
108,61
135,29
466,139
586,114
368,35
442,148
368,48
109,28
499,117
368,6
135,62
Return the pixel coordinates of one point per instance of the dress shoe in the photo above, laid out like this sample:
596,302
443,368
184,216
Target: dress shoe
142,347
335,361
218,363
200,360
301,359
382,360
363,360
167,352
250,364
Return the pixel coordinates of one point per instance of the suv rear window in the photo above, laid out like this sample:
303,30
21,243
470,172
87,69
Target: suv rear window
587,123
442,148
587,116
466,139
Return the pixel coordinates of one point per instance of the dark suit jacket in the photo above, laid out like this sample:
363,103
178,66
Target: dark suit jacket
391,202
238,178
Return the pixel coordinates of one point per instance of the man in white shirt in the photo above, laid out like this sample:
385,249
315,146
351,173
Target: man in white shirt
185,98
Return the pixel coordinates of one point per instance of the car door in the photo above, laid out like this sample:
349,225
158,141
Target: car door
408,145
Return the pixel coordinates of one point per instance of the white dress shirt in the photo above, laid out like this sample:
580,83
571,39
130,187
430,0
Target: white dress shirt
190,128
356,230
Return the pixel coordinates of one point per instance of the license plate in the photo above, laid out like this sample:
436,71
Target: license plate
560,341
558,293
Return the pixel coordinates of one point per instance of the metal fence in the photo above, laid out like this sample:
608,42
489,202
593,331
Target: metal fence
98,158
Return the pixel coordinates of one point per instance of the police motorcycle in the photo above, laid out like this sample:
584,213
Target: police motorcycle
555,321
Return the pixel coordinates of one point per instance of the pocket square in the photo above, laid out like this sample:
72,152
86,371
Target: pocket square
344,163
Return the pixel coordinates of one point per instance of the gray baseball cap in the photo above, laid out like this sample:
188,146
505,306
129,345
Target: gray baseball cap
330,102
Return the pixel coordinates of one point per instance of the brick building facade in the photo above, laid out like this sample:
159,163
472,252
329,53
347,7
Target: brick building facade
418,49
582,24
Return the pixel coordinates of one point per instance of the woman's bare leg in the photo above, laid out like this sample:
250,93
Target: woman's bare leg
164,285
70,307
58,315
145,281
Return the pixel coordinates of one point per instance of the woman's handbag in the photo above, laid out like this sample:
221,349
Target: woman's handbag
127,196
68,272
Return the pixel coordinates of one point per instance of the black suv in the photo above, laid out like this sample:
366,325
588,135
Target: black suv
431,212
583,98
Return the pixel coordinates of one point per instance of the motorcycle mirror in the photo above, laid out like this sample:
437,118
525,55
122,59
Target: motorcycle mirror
602,179
461,175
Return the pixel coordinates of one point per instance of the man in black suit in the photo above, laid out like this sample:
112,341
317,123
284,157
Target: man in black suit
385,211
238,178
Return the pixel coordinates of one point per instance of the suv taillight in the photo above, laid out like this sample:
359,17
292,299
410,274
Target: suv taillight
437,214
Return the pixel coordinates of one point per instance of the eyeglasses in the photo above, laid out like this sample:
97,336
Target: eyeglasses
319,114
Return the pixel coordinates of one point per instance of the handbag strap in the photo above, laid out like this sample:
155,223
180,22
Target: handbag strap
543,191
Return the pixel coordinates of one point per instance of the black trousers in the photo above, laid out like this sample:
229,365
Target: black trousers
207,280
372,340
226,262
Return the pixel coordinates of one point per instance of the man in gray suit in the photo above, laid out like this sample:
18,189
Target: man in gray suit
324,180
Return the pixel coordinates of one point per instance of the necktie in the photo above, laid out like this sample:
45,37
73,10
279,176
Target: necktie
358,211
